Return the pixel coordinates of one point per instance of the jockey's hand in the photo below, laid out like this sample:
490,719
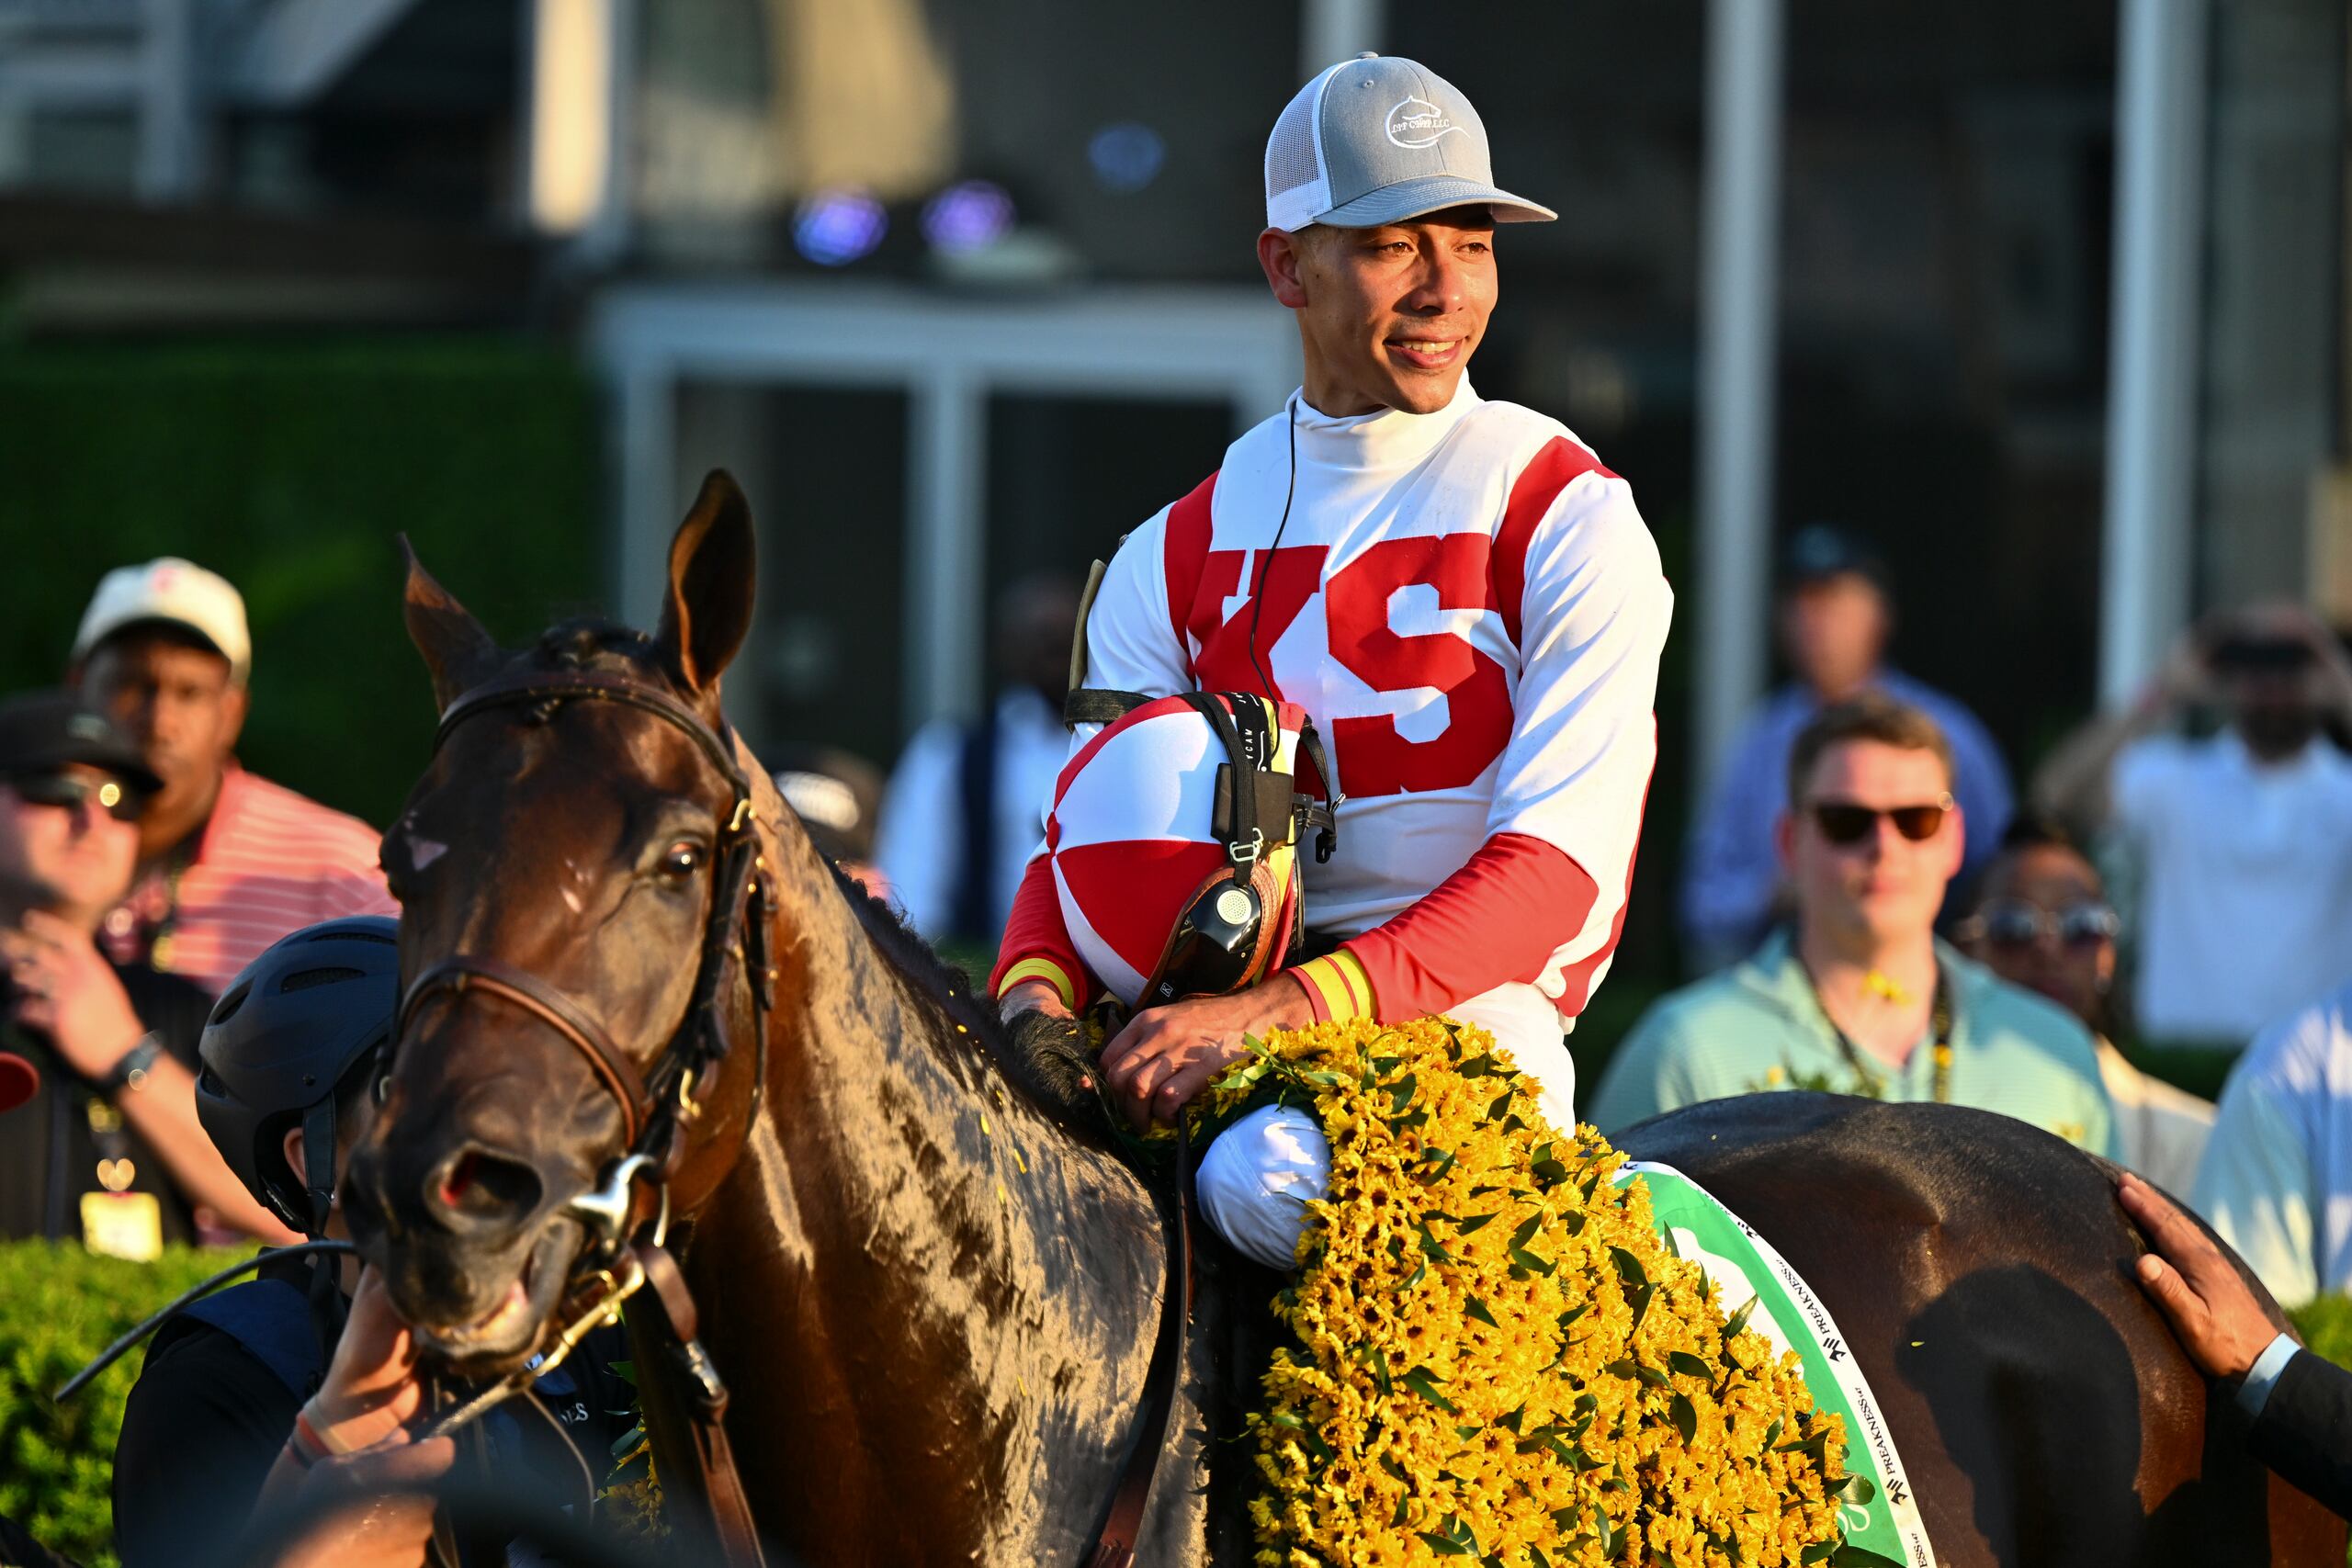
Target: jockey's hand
1032,996
2219,1321
1167,1054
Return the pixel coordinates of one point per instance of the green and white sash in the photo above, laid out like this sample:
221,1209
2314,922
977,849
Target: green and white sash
1880,1516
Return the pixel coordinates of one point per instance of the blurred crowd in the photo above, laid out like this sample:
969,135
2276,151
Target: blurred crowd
1864,906
1870,903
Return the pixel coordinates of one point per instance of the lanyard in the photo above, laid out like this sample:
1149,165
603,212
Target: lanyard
1939,1021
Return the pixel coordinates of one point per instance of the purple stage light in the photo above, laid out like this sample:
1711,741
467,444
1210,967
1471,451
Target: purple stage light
969,216
834,227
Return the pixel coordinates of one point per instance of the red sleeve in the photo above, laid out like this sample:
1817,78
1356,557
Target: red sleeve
1036,941
1498,919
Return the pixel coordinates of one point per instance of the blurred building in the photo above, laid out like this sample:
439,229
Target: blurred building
964,287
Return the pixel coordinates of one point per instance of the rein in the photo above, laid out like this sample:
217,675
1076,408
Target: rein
655,1106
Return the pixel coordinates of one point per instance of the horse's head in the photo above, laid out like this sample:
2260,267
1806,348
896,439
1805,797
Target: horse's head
578,845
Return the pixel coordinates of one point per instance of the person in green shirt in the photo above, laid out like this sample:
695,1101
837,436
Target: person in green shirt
1860,998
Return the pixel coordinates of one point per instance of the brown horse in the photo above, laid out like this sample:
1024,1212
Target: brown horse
935,1293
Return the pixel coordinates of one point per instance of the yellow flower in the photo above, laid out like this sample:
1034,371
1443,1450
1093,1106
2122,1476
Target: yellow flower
1493,1355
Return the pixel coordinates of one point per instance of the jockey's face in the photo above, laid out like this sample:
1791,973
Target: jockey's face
1882,887
1387,317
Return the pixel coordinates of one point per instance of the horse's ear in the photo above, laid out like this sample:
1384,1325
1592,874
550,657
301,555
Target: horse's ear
456,649
712,560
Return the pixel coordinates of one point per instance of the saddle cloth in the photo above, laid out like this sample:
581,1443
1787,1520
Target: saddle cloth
1881,1517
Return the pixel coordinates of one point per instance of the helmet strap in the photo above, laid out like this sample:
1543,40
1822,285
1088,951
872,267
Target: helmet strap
318,1163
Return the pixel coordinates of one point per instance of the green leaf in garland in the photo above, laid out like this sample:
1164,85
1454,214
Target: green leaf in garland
1691,1365
1411,1119
1629,1269
1384,1065
1441,1162
1481,1066
1771,1434
1640,1302
1501,1105
1666,1239
1473,1307
1522,1258
1401,1092
1856,1488
1739,1321
1426,1384
1536,1558
1421,1272
1451,1538
1431,1245
1473,1225
1396,1520
1818,1552
1526,1231
1604,1529
1685,1416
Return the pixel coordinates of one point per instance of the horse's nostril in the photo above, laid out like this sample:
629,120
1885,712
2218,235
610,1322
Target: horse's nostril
481,1187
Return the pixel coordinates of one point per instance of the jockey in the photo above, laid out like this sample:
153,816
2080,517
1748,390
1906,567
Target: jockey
1457,592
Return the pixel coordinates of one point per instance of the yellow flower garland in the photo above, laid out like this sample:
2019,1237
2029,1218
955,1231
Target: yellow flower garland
1496,1357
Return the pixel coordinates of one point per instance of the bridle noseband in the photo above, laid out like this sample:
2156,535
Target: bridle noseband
654,1104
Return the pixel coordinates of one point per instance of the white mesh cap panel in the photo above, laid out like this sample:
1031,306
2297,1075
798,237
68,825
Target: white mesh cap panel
1298,188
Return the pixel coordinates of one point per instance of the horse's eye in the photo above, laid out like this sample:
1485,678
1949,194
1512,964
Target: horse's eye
681,859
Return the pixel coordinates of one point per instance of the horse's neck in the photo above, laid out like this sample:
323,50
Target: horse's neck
940,1288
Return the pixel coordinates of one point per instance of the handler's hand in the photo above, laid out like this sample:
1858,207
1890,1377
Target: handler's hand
371,1389
2222,1326
1167,1054
373,1510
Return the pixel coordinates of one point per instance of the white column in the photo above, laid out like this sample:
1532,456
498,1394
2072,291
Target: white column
1739,288
645,442
1333,30
170,135
2147,562
946,567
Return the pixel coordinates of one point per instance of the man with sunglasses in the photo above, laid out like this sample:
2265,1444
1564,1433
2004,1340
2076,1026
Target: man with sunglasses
2042,921
109,1151
2242,839
1861,998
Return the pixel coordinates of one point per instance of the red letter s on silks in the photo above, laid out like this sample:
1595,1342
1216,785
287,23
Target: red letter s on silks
1372,758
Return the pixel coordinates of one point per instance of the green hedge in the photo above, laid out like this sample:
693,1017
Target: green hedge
58,1308
290,467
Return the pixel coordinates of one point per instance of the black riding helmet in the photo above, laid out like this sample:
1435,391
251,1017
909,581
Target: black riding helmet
299,1022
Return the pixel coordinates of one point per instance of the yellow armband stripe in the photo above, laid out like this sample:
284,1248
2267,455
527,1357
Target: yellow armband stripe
1044,969
1339,987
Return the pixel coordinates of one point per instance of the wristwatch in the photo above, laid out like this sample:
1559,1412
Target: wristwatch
130,1071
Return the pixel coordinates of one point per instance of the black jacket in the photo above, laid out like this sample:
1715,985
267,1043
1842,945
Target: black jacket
49,1155
2306,1429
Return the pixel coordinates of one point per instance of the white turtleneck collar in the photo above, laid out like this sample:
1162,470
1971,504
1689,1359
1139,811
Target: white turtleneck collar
1386,438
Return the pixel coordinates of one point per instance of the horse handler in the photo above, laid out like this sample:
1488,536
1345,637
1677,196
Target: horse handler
1458,593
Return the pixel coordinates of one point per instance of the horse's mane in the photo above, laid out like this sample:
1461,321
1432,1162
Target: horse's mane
1045,1058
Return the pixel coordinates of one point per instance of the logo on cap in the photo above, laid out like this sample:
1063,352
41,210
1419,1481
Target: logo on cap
1416,123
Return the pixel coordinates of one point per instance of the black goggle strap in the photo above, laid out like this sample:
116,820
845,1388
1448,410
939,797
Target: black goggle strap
1244,839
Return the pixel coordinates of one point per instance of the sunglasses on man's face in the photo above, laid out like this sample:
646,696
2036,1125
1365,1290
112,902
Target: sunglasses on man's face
1845,822
69,793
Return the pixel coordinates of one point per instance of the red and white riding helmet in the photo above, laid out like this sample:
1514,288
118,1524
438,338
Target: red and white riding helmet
1173,882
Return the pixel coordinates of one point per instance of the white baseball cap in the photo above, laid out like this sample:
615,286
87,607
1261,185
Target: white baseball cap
1378,140
170,589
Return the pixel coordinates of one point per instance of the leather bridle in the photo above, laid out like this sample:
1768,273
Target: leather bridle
655,1105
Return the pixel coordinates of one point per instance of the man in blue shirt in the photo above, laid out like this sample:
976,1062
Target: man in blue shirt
1835,615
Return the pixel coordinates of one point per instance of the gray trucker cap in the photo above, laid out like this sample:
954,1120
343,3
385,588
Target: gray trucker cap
1378,140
